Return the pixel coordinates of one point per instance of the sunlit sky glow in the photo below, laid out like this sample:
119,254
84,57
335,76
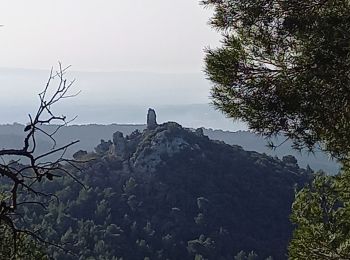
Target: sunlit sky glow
106,35
126,56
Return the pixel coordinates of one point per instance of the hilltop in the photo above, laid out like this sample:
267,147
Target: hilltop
168,192
11,135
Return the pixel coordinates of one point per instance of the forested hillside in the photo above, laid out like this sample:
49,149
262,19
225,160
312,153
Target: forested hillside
317,160
171,193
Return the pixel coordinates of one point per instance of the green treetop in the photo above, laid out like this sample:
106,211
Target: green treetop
284,67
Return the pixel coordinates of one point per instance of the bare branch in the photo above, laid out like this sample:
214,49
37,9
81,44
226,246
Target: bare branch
22,178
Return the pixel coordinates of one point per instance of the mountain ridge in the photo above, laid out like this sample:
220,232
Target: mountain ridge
89,135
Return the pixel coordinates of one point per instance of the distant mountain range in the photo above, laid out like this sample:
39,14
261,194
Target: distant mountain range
252,142
11,135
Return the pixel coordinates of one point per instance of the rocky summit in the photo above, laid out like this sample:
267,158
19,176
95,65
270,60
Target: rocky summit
151,119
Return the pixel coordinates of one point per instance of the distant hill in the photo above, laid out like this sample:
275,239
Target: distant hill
253,142
168,192
89,135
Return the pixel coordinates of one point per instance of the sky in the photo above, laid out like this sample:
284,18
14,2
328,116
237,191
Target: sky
126,56
106,35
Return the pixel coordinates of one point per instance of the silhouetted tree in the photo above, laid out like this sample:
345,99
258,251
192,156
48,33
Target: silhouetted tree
284,68
21,169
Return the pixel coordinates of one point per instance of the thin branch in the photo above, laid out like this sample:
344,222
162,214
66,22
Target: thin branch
22,178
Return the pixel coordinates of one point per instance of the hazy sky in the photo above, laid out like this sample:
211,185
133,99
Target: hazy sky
106,35
124,38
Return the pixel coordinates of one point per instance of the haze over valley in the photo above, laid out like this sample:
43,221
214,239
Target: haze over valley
116,97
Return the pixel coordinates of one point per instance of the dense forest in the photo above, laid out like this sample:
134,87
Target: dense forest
170,193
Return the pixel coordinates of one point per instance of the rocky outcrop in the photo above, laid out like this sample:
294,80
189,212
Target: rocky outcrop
145,151
103,147
79,154
199,132
119,147
151,153
151,119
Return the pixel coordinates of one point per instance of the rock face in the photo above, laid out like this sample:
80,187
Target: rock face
199,132
79,154
167,140
119,144
103,147
151,119
144,152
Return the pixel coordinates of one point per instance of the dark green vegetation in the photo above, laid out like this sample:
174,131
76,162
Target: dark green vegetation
284,68
25,248
317,160
170,193
322,212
